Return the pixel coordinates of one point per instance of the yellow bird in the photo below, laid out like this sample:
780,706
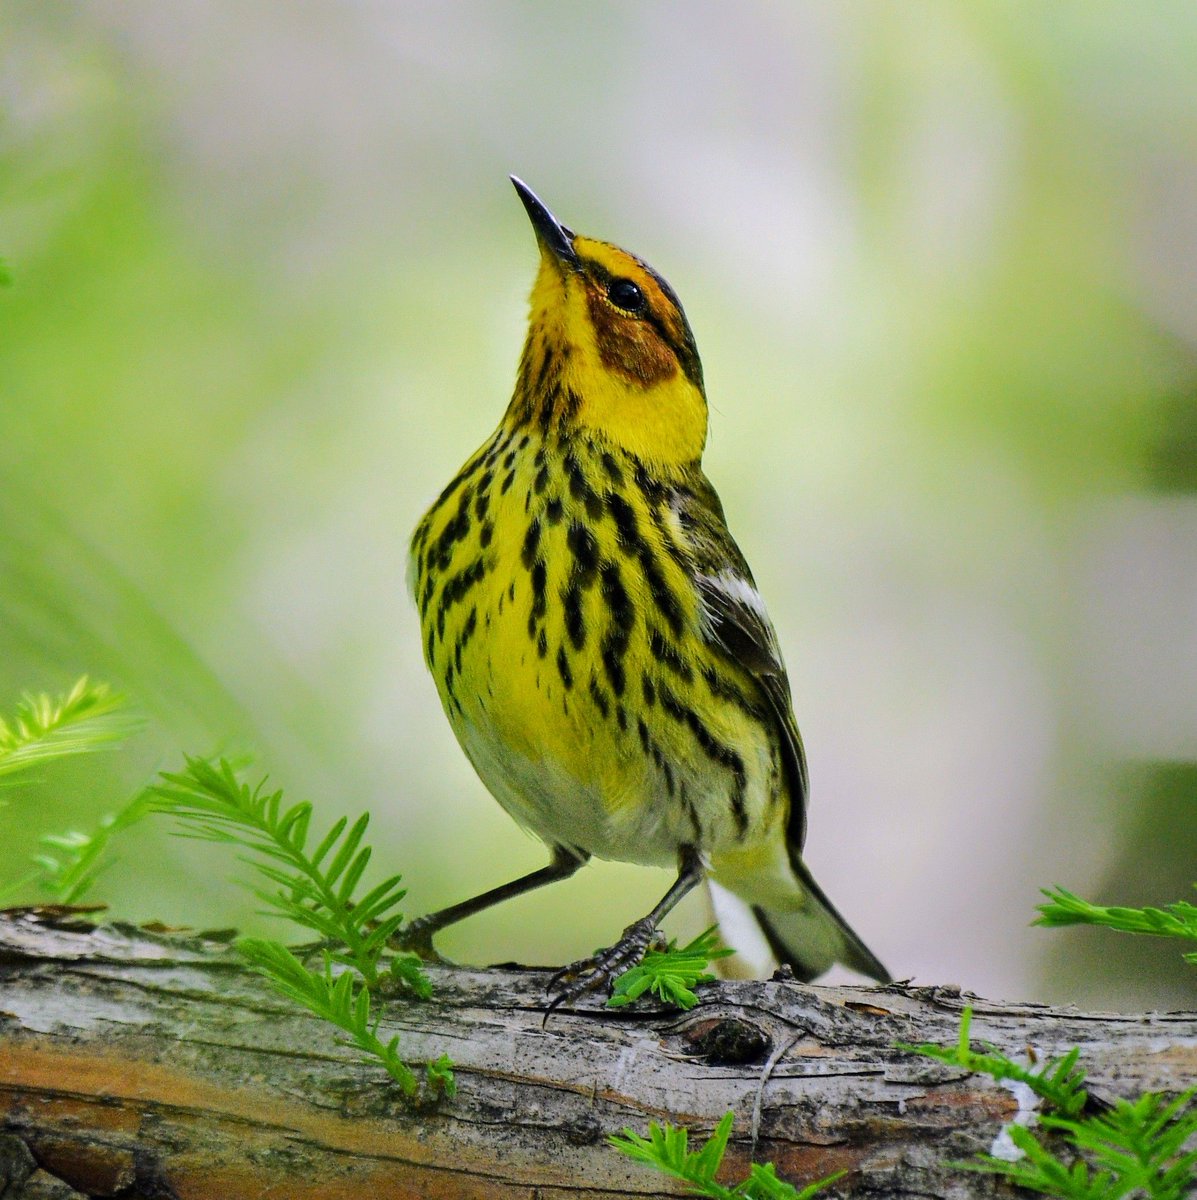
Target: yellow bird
596,637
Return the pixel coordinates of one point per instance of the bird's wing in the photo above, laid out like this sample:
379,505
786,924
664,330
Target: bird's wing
733,618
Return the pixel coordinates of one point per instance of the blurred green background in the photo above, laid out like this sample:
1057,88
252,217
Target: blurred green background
940,258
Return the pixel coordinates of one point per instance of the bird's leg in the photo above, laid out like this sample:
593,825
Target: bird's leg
601,969
416,936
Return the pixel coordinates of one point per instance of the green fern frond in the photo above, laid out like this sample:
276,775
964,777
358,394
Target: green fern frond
70,862
88,718
317,889
1135,1148
667,1150
670,974
407,971
339,999
438,1076
1177,920
1061,1082
1141,1143
314,888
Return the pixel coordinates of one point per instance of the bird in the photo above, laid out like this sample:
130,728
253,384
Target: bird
597,640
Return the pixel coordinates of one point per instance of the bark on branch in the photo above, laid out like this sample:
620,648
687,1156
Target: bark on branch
135,1063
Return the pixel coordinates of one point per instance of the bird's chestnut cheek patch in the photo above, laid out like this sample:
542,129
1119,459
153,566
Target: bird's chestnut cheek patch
630,347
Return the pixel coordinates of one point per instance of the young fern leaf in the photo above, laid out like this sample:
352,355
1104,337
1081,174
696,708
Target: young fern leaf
88,718
438,1076
1136,1148
315,889
1143,1142
70,862
667,1150
343,1001
407,971
214,806
670,974
1061,1082
1177,920
762,1184
1131,1149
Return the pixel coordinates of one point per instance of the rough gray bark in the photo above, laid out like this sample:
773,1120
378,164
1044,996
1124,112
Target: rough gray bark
135,1063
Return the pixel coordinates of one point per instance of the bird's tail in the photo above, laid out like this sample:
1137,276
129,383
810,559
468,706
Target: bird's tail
802,926
815,937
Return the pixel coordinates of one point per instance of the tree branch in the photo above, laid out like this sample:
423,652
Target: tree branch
139,1063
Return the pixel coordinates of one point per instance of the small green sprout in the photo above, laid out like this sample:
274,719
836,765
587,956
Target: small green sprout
670,974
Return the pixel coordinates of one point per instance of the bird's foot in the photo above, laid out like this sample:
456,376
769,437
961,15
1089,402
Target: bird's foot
603,968
416,938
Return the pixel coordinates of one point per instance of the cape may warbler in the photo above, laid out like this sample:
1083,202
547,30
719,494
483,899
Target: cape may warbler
595,634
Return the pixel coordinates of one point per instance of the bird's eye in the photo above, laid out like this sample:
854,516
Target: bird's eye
623,293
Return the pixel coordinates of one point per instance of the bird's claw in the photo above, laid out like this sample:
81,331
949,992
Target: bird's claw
603,968
416,938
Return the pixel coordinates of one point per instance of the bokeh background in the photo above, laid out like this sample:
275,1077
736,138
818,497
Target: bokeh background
268,284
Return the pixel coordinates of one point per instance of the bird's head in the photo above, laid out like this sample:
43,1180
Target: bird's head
609,349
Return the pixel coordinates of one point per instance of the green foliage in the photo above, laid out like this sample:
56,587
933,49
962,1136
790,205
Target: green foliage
315,888
89,717
667,1149
1137,1150
1061,1082
5,274
408,972
71,861
438,1076
1133,1149
1178,920
340,999
344,1000
670,974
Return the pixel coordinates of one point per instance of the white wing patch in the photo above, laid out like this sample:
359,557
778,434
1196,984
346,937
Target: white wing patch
740,590
729,598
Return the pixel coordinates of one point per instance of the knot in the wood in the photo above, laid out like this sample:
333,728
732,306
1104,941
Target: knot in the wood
727,1041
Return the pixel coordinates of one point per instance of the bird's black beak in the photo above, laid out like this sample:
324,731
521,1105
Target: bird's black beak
550,233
